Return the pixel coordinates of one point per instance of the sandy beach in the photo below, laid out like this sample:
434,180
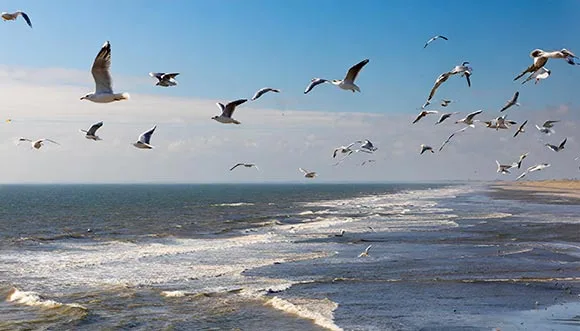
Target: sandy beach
560,187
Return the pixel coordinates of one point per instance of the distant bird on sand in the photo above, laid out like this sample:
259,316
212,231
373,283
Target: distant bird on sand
541,58
92,133
445,116
521,129
347,83
469,118
227,111
164,79
103,81
559,147
425,148
423,114
247,165
433,39
513,101
366,252
13,16
308,174
264,90
541,73
37,143
144,141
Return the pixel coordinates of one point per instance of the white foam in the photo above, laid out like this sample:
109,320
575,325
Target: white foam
34,299
233,204
319,311
174,294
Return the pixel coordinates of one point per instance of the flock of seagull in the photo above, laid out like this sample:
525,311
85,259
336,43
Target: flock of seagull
104,94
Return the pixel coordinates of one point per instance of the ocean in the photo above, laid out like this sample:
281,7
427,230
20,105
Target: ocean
287,257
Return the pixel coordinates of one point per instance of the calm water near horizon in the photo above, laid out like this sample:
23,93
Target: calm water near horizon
264,257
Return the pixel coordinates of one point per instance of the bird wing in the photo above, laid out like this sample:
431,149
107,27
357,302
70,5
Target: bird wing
561,146
100,70
522,175
26,18
420,116
313,83
230,107
467,75
472,115
354,70
94,128
303,171
440,80
264,90
237,165
145,137
442,37
511,102
549,124
169,75
50,140
158,75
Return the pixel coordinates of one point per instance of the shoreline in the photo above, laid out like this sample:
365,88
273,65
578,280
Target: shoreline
563,188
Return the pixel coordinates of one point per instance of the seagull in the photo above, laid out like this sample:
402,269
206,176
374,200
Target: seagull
145,139
227,111
366,252
367,161
464,70
433,39
541,73
549,124
513,101
103,82
38,143
247,165
547,127
440,80
469,119
537,167
366,144
13,16
343,150
541,58
446,116
314,82
91,134
522,157
521,129
423,114
342,231
348,82
503,123
308,174
164,79
503,168
264,90
425,148
445,103
559,147
451,136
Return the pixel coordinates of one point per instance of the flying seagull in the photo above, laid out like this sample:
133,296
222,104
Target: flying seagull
227,111
102,76
522,157
366,252
13,16
343,149
366,144
164,79
547,127
465,70
469,119
541,73
313,83
91,134
537,167
347,83
247,165
264,90
440,80
433,39
423,114
513,101
308,174
425,148
541,58
521,129
503,168
145,139
559,147
445,103
37,143
451,136
445,116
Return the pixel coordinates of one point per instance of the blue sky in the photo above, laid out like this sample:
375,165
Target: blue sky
227,49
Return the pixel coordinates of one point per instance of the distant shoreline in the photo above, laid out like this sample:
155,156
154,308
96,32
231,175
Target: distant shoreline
568,188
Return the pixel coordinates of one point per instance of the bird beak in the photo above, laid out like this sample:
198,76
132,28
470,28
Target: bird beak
82,98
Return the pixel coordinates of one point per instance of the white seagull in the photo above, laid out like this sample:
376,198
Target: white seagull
247,165
513,101
537,167
541,58
469,119
314,82
547,127
503,168
521,129
445,116
423,114
13,16
227,111
347,83
465,70
144,141
425,148
559,147
343,149
433,39
440,80
308,174
366,144
522,157
366,252
102,76
264,90
541,73
451,136
164,79
37,143
92,133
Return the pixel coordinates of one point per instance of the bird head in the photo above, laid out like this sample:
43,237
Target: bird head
536,52
86,96
567,53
